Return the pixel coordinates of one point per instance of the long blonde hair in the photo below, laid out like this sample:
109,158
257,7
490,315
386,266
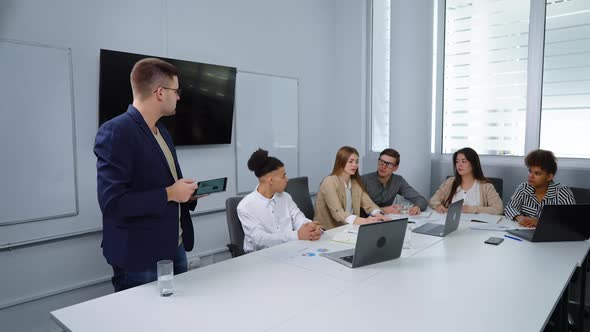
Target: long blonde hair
340,162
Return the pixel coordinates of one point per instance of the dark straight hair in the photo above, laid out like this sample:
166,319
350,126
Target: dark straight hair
473,159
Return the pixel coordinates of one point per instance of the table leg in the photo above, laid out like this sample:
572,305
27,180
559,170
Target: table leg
582,298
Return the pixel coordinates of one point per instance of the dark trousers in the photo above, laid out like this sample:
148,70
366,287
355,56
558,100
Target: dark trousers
123,279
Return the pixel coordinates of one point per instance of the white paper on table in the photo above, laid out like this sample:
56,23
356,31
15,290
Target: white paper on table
487,218
292,249
494,227
346,236
396,216
423,216
286,250
415,242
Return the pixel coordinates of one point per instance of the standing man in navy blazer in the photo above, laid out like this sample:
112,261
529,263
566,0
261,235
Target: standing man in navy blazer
144,200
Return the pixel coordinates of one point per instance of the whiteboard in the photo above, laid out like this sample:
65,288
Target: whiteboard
36,133
267,117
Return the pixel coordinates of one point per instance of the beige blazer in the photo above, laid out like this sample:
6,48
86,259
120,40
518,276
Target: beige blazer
491,202
330,206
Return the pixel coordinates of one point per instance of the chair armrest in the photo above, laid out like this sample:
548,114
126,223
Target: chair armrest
235,250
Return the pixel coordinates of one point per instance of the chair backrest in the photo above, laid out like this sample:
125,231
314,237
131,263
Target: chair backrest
498,184
581,195
236,232
298,188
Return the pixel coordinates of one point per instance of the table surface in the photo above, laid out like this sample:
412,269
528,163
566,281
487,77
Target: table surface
454,283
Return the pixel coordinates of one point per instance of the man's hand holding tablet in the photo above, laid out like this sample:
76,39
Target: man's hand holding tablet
209,187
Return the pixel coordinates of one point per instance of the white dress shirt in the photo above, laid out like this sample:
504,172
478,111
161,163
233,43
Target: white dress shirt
269,222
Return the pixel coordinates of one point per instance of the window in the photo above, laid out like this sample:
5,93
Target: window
380,41
565,113
485,75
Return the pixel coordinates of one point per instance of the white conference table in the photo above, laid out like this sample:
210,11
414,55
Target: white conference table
453,284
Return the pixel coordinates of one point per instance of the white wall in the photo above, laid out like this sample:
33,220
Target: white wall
342,119
318,41
411,89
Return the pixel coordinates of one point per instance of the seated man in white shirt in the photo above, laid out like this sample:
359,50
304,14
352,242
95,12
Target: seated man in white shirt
268,214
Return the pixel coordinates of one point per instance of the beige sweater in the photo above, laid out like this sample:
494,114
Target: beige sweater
330,207
491,202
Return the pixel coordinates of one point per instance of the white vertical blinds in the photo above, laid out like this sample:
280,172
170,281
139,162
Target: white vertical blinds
485,73
565,114
380,73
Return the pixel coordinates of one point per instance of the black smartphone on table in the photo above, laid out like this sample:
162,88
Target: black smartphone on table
494,240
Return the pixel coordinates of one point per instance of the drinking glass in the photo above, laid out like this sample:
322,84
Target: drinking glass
408,238
405,208
166,277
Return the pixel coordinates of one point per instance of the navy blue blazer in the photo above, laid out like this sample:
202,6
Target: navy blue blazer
140,227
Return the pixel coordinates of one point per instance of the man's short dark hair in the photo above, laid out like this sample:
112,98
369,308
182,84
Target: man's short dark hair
261,163
392,153
544,159
148,74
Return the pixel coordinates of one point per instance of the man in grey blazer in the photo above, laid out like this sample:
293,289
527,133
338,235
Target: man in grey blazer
383,185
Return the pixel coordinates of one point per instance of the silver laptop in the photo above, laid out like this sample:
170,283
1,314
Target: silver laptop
451,223
375,243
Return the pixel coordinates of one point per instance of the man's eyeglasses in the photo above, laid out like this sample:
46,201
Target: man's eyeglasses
178,91
386,163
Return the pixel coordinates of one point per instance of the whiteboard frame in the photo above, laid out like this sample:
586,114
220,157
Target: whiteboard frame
73,124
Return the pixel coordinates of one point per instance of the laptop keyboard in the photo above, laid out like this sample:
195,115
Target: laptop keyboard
347,258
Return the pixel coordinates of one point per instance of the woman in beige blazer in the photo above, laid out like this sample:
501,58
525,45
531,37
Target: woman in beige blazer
342,195
469,184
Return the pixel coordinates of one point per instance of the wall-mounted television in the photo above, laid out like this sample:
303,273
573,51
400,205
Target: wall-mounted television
205,111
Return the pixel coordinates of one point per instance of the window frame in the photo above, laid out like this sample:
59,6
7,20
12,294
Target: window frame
534,90
369,82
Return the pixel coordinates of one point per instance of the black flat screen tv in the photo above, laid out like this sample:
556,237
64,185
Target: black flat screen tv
205,111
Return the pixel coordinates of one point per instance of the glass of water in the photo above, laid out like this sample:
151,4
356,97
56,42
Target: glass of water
166,277
405,208
408,238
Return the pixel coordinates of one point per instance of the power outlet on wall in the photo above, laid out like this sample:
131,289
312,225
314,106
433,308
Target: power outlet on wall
193,262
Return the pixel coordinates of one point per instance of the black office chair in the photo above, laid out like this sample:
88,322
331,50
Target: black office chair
581,195
498,184
298,188
236,232
576,303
